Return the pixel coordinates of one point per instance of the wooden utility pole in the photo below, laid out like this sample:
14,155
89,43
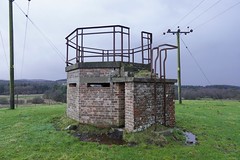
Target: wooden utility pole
178,32
12,103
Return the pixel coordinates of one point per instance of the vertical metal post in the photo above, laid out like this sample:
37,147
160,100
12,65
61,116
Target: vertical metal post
77,48
67,54
122,44
160,63
102,55
179,70
128,45
114,44
82,48
164,88
142,47
151,39
12,103
149,46
132,55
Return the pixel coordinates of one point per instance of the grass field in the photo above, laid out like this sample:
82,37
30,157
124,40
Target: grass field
28,133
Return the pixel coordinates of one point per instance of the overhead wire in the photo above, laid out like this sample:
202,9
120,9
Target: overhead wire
181,19
203,12
189,12
25,37
60,54
4,50
201,70
195,60
219,14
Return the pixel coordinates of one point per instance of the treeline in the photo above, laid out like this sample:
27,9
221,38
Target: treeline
211,92
26,86
55,90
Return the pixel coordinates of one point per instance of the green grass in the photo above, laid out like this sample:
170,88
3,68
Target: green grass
28,133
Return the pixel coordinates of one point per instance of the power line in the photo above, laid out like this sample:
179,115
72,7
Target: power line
221,13
45,37
189,12
204,12
200,68
195,60
4,50
25,36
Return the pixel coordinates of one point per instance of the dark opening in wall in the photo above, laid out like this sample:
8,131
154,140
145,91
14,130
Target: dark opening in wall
72,84
98,85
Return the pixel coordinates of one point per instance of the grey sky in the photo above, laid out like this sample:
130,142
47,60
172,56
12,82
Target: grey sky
214,44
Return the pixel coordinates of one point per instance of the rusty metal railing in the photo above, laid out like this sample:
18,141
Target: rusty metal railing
162,73
119,49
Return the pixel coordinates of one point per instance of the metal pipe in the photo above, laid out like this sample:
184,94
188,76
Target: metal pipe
129,44
102,55
77,51
122,45
132,55
114,45
82,48
142,47
164,87
67,50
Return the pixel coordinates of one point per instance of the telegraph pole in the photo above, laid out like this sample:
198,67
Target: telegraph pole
12,103
178,33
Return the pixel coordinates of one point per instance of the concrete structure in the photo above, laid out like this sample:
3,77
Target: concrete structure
120,93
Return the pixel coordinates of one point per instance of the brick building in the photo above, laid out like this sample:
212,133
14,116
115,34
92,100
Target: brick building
120,86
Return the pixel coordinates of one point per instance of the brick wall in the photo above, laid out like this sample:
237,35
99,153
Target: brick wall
102,105
95,105
129,101
140,108
73,94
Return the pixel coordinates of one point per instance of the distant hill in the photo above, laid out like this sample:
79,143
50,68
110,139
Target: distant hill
213,92
30,86
40,86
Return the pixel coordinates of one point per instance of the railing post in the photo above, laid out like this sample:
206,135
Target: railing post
67,50
122,44
128,45
142,48
132,55
150,47
102,55
114,41
77,50
82,48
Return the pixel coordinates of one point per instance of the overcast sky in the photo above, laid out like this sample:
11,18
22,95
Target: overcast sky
214,42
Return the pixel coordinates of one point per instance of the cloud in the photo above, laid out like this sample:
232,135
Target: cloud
214,44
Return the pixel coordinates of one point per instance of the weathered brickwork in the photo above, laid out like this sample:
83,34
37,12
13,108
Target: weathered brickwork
143,109
73,94
95,104
96,72
102,105
113,97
